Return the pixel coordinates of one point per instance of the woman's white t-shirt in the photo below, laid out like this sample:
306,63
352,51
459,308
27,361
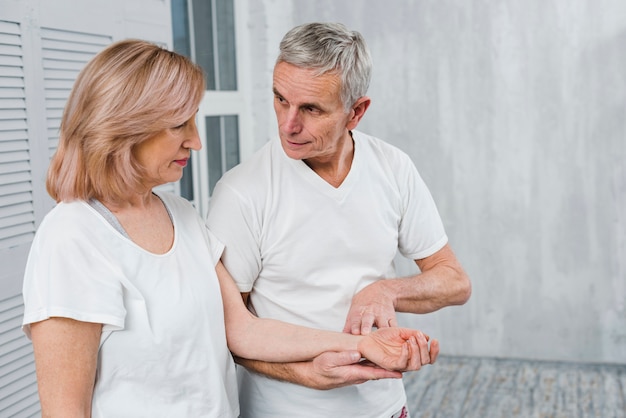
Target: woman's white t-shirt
163,349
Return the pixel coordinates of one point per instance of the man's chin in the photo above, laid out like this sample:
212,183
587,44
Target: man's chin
295,151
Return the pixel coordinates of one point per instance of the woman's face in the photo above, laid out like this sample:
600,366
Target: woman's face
166,154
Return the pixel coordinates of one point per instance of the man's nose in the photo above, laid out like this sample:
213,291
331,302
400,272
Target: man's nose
292,123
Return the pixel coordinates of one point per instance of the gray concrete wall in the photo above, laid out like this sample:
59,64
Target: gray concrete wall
514,113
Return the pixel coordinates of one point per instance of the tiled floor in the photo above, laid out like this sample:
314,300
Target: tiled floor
465,387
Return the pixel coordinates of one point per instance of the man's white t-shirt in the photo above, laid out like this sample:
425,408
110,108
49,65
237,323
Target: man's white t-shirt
163,349
303,248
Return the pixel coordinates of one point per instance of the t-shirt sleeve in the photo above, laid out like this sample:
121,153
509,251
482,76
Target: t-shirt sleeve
215,247
68,276
232,219
421,231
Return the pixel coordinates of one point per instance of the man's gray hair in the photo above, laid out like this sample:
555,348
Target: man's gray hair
330,47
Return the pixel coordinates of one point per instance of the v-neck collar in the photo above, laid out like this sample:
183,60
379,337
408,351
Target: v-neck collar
322,185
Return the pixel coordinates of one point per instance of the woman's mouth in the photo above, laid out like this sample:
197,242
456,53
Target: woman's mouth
182,163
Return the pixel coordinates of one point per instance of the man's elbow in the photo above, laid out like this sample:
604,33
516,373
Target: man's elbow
463,289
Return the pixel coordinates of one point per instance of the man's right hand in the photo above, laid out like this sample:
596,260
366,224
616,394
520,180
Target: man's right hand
332,370
329,370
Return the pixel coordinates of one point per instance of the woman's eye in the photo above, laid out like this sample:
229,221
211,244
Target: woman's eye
181,126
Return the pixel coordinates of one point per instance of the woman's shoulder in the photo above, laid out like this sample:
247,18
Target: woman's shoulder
174,202
70,226
180,209
65,214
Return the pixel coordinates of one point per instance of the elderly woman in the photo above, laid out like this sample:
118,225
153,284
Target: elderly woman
129,309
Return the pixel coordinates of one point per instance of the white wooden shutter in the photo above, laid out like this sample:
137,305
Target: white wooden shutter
18,391
43,46
17,221
18,388
64,54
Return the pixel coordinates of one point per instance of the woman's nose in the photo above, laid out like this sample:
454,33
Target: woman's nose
193,142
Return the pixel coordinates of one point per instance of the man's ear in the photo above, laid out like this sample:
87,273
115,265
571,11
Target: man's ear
358,110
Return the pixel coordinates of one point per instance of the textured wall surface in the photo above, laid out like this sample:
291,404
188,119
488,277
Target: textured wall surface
515,115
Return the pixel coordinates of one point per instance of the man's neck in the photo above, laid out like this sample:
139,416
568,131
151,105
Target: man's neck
335,169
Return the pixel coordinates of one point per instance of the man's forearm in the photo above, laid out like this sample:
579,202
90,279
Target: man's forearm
287,372
429,291
329,370
442,282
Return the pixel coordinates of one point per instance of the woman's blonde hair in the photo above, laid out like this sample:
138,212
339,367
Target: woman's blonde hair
126,94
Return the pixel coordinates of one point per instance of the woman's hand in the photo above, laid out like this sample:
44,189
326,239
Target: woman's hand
399,349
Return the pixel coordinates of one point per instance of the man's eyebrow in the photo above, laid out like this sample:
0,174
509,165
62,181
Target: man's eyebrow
303,105
307,105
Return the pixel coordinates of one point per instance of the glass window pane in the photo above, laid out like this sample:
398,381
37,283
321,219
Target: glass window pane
186,182
231,141
214,38
203,39
182,45
180,27
222,133
214,150
225,19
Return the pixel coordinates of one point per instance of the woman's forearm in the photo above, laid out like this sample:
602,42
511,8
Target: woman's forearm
276,341
270,340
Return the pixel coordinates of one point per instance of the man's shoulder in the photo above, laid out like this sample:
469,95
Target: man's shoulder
251,167
251,177
380,148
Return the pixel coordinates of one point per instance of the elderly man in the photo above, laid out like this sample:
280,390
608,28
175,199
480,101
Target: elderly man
312,224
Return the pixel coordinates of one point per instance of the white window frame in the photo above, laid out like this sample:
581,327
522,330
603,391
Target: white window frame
223,103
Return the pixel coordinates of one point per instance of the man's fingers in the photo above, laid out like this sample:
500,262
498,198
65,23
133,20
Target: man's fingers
360,325
357,324
333,359
350,323
367,321
376,373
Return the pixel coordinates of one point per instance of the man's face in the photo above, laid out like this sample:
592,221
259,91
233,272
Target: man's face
312,122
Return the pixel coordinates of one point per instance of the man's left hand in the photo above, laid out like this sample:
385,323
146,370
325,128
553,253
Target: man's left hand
372,306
